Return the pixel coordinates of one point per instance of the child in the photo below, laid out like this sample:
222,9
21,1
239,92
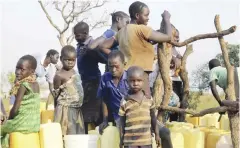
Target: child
119,20
137,114
25,114
87,63
68,94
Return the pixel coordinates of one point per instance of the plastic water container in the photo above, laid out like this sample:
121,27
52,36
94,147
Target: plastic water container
81,141
177,126
96,132
42,106
212,120
213,138
20,140
193,120
224,123
110,137
51,135
207,131
177,140
47,115
193,138
225,142
203,121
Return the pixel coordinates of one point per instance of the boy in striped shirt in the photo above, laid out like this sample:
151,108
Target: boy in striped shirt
137,114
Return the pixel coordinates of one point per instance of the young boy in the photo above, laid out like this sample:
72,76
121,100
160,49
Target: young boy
68,95
87,63
137,114
218,76
112,88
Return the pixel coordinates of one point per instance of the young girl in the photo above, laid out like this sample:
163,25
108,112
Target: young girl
137,114
68,94
25,114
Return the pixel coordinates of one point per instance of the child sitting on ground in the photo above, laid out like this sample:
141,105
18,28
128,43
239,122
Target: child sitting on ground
68,94
137,114
25,114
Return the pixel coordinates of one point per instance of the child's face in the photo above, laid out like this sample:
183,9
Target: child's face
135,82
123,22
23,69
69,60
116,67
81,35
54,58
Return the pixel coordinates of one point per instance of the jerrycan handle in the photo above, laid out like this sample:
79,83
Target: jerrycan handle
49,121
110,123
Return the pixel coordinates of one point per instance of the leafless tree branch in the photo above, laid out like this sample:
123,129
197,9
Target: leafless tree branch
48,17
204,36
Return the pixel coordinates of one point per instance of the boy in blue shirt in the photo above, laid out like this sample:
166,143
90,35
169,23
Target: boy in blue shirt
87,64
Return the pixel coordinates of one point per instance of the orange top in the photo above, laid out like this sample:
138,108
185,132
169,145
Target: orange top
134,44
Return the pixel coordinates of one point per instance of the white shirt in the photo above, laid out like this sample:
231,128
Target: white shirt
44,74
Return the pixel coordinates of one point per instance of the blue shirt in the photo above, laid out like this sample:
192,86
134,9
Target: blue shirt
111,94
108,34
87,62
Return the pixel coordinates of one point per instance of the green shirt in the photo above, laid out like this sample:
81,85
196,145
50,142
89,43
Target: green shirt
220,75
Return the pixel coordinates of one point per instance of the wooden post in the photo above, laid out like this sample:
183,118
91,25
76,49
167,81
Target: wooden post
230,91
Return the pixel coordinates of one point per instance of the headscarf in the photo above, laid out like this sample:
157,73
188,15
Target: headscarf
16,86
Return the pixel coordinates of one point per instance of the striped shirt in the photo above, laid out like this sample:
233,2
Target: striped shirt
137,130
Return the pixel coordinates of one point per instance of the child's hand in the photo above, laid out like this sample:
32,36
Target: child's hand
158,141
102,127
166,15
121,143
3,119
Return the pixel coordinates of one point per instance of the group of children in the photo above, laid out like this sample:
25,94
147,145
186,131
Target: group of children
125,92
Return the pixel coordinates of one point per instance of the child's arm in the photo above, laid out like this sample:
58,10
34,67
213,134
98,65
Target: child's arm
107,44
103,125
215,92
154,124
94,44
121,130
17,103
122,121
57,81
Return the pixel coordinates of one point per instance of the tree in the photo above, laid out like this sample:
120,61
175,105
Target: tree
230,105
72,12
201,74
233,53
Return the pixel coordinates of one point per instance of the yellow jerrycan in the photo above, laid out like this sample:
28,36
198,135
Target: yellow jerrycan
213,120
177,140
110,137
42,106
20,140
193,120
213,138
47,115
206,131
96,132
193,138
224,123
203,121
51,135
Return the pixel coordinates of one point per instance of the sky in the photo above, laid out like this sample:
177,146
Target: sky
24,28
